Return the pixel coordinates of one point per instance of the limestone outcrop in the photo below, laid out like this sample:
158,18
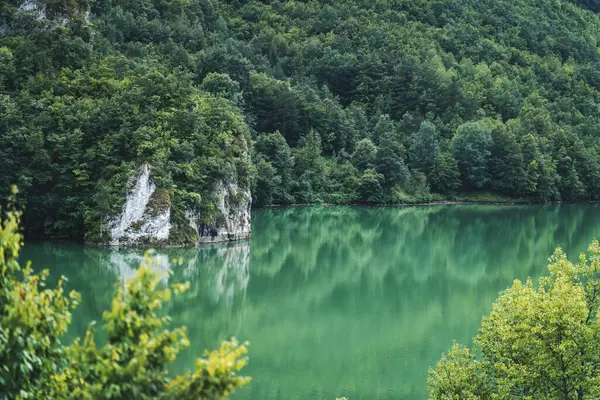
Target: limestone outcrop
146,217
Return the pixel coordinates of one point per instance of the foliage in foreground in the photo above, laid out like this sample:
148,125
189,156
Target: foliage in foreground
539,341
34,364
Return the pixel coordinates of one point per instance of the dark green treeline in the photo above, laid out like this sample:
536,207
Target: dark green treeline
343,101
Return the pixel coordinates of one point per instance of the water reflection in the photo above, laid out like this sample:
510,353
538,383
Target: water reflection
379,293
218,274
341,300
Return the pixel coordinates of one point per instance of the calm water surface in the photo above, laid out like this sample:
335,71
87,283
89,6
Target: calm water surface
340,300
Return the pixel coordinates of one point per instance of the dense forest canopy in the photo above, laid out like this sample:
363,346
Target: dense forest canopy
375,101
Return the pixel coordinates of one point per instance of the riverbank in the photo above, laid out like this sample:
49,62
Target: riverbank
436,200
460,199
466,199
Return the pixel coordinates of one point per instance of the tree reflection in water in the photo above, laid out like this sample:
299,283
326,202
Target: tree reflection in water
340,300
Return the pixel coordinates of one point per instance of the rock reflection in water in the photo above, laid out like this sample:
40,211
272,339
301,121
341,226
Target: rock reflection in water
218,275
353,301
222,270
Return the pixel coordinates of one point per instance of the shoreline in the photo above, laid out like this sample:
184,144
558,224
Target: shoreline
430,203
516,202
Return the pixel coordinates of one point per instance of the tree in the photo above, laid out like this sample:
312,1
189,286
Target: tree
444,176
267,182
593,5
7,69
274,149
275,105
542,177
384,127
370,189
309,168
390,163
132,363
471,147
342,182
571,187
507,166
32,320
364,155
548,188
539,341
458,375
588,167
535,116
424,148
531,155
222,85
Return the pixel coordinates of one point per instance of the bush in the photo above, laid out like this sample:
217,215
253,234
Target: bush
34,364
539,341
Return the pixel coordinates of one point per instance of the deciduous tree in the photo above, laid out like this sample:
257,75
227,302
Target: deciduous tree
540,341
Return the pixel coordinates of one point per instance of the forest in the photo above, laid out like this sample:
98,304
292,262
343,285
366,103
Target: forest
388,101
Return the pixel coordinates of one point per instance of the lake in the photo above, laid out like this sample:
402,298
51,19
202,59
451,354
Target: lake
352,301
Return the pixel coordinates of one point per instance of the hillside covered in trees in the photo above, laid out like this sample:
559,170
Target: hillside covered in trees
346,101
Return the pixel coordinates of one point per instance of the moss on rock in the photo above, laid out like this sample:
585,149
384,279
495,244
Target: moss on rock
159,202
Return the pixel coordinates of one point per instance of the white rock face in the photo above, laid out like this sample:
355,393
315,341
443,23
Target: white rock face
234,221
140,223
29,6
136,224
35,8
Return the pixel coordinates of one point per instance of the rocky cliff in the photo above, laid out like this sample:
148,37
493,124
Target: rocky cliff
147,215
232,219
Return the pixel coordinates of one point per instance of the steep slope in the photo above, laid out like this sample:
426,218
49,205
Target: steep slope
345,101
115,148
502,95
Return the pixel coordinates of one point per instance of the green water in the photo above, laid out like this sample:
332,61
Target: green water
340,300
